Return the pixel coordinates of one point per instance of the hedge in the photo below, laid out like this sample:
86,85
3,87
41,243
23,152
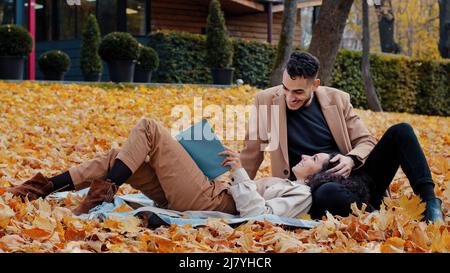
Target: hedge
403,84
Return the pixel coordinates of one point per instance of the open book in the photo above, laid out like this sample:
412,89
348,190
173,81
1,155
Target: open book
203,146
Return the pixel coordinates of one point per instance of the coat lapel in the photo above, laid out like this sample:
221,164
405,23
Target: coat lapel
333,118
279,100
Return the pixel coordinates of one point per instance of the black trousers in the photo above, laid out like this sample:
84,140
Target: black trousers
398,147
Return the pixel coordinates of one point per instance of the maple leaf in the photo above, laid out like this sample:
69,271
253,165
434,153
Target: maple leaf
6,213
393,245
123,208
446,194
441,242
305,216
413,207
37,233
123,224
48,224
12,242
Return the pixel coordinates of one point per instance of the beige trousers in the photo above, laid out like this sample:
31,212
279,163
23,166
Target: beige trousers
162,170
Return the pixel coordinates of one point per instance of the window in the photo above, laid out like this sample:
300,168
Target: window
43,15
107,15
56,20
135,11
70,18
7,11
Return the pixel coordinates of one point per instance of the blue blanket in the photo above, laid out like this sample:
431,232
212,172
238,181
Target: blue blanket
158,216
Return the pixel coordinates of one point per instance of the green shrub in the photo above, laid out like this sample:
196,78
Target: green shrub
54,61
90,61
148,59
433,89
347,76
253,61
394,79
218,43
182,57
119,46
15,41
402,84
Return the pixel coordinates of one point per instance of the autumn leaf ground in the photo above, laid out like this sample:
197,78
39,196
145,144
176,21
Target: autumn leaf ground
50,127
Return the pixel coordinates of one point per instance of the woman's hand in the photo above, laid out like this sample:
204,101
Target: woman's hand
233,159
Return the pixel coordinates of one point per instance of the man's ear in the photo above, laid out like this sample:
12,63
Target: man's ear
316,83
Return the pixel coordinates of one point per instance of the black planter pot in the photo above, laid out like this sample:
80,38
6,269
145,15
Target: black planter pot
11,67
223,76
121,70
53,75
142,75
95,77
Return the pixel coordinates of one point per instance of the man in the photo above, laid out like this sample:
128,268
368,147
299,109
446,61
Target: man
316,119
312,119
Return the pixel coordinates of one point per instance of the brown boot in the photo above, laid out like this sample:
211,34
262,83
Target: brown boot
99,192
37,186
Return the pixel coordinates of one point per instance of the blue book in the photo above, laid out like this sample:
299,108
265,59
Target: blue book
203,145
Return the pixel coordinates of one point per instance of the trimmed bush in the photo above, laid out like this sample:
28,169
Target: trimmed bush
403,84
182,57
433,88
347,76
119,46
54,61
15,41
148,59
90,62
218,43
253,62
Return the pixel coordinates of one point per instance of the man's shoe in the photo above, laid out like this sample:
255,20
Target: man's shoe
100,191
37,186
433,211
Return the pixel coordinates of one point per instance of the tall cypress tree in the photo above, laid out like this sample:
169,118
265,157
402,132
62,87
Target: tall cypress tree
218,42
90,61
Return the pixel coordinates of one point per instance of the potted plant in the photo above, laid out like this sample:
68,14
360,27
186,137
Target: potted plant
54,64
147,62
90,62
15,44
120,50
219,45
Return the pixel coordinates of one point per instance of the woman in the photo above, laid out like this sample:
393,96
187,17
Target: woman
155,163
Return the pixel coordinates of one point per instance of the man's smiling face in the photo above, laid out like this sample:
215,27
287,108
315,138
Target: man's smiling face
298,91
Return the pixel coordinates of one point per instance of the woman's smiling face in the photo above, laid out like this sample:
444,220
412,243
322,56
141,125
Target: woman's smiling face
310,165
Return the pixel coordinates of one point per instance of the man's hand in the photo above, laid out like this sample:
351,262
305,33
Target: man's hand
233,159
344,167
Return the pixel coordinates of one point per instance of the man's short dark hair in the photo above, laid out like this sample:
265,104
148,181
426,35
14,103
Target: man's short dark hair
303,64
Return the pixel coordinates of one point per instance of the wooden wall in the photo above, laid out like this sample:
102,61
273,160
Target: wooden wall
254,27
191,16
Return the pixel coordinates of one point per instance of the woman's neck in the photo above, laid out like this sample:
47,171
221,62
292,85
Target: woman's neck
301,181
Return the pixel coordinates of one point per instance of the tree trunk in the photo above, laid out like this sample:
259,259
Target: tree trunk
327,35
285,44
444,28
386,27
372,99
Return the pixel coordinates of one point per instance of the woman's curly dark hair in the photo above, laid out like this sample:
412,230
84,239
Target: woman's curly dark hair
358,184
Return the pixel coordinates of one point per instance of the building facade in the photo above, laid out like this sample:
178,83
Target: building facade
58,23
